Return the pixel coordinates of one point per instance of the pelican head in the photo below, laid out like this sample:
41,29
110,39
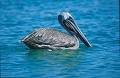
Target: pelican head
67,21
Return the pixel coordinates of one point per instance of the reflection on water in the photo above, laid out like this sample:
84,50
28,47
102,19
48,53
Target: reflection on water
57,57
53,63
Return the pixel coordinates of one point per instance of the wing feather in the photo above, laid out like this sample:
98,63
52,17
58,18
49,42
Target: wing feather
46,36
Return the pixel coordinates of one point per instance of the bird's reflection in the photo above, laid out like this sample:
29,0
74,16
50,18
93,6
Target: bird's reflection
67,58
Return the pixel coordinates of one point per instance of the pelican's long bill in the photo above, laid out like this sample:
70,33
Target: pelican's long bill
67,21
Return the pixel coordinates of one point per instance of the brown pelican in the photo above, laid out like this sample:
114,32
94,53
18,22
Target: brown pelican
50,38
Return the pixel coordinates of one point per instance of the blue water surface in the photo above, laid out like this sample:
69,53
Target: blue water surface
98,20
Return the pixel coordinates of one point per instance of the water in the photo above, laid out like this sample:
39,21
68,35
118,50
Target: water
98,19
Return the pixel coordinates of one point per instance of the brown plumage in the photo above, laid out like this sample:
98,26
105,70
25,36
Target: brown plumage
50,38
